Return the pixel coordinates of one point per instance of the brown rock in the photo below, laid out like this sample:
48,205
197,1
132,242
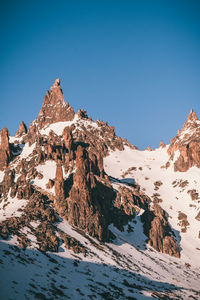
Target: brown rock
193,194
39,175
68,140
8,180
157,229
59,183
50,184
82,114
22,130
88,199
170,246
54,108
187,142
5,153
192,116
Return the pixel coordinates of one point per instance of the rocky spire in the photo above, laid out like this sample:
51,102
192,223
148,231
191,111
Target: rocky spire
59,182
162,144
22,130
5,153
192,116
54,108
4,139
187,141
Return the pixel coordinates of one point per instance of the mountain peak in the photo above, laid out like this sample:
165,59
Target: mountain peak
22,129
192,116
54,108
56,83
187,142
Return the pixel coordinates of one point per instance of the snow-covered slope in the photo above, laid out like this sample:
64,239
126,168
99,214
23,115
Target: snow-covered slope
120,270
127,268
172,191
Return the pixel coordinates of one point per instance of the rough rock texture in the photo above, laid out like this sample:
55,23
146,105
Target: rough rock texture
54,108
5,151
8,181
37,210
159,232
88,199
82,114
59,183
22,130
68,141
128,201
183,222
187,142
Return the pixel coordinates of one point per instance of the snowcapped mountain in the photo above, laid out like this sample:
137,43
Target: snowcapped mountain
86,215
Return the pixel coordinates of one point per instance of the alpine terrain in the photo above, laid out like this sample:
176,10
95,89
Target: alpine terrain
86,215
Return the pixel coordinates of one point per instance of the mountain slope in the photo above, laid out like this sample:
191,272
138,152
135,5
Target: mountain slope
86,215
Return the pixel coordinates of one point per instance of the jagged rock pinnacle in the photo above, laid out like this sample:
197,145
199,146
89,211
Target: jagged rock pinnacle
5,153
22,129
56,83
54,108
187,142
192,116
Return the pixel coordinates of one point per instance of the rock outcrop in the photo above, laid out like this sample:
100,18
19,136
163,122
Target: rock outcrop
54,108
157,229
162,144
22,130
87,199
128,201
59,183
5,151
187,145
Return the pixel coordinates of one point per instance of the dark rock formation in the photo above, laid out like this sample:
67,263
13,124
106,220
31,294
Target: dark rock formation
159,232
8,180
88,200
128,201
82,114
183,222
59,183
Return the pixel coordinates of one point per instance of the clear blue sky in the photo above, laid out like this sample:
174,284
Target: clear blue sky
135,64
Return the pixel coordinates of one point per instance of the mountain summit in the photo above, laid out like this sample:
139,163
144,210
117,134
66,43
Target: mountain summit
192,116
54,108
86,215
186,145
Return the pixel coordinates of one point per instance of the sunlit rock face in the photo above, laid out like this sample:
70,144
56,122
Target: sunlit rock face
187,142
22,130
54,108
5,151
